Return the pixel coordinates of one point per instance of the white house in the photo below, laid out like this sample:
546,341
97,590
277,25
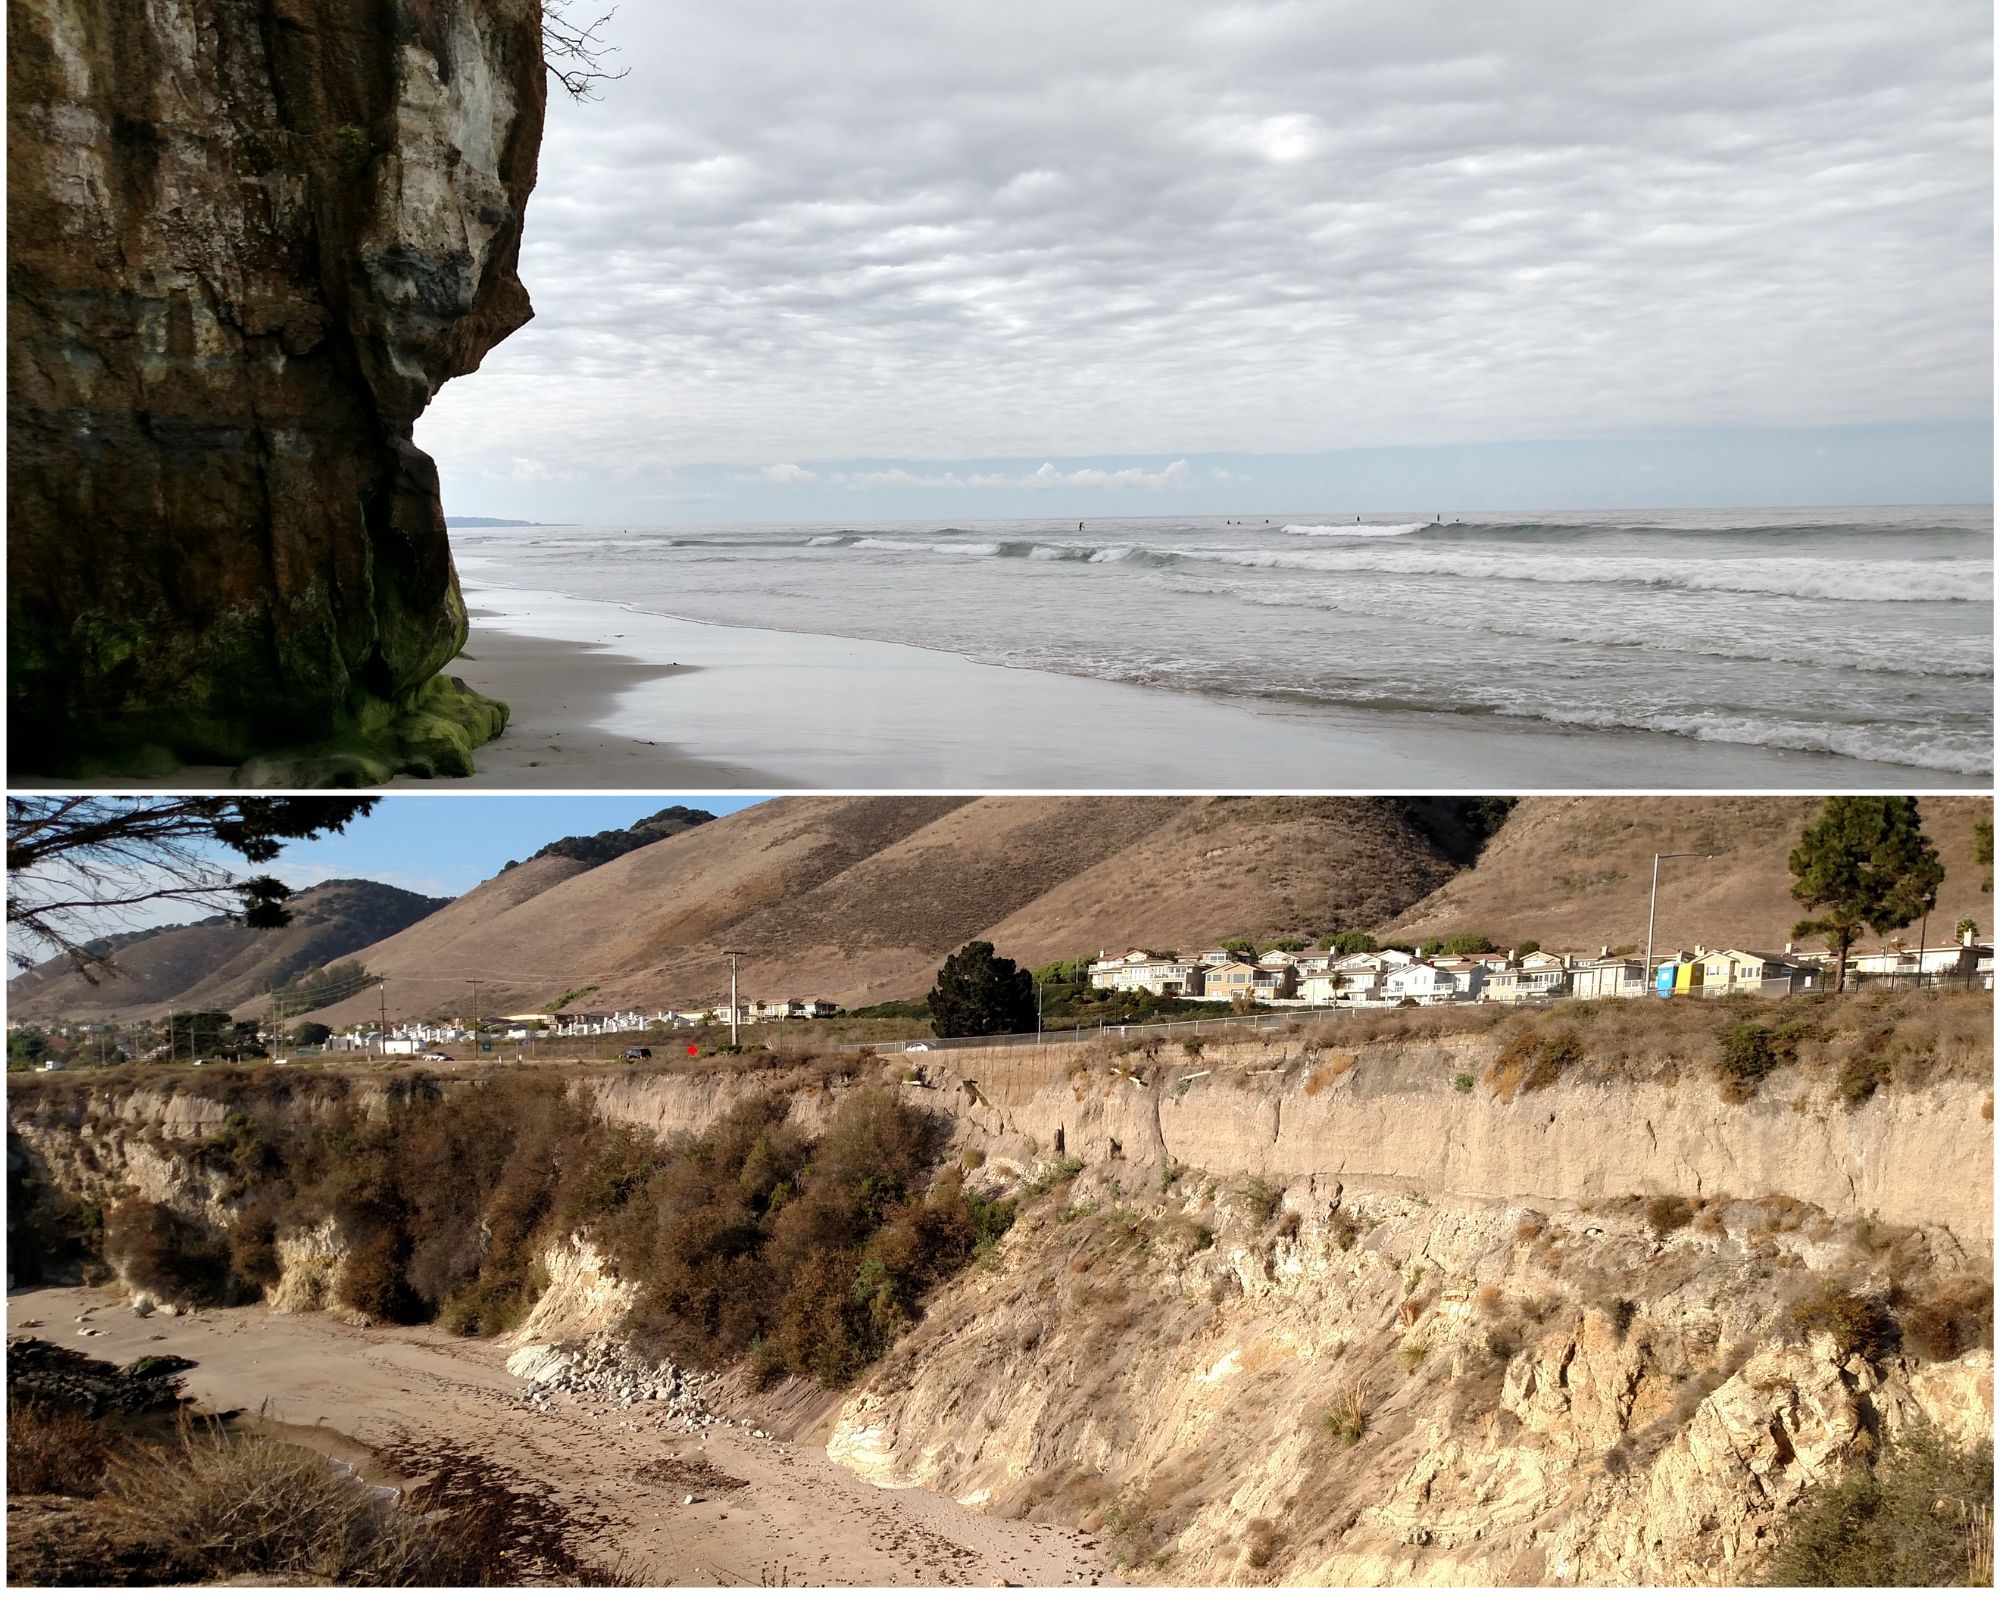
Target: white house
1142,970
1935,962
1608,977
1440,979
1725,972
1539,975
1418,981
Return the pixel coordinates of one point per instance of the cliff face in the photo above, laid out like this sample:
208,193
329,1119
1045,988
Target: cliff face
1370,1388
1346,1316
247,242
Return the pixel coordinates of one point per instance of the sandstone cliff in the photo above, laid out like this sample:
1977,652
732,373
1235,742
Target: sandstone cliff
248,240
1357,1315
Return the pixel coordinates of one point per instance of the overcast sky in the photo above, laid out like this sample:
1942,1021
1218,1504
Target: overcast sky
903,258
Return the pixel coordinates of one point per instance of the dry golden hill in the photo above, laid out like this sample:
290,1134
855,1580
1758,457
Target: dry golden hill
217,964
1574,872
859,899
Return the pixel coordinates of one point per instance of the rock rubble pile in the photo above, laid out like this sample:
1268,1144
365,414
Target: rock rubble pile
605,1370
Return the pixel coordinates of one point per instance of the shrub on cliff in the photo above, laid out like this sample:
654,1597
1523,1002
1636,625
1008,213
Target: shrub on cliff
171,1257
814,1253
1922,1516
1747,1056
1858,1324
1953,1318
814,1250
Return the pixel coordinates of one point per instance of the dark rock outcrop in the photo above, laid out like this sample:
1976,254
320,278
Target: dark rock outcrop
247,242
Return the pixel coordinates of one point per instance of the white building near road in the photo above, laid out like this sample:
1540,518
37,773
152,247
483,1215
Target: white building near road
1142,970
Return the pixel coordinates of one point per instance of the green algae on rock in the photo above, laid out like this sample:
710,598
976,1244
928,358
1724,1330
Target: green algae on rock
249,240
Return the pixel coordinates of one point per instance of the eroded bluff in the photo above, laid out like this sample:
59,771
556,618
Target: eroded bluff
248,240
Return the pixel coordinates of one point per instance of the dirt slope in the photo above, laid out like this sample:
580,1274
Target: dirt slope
859,899
1575,872
219,965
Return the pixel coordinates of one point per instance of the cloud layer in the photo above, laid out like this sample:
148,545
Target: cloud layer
797,235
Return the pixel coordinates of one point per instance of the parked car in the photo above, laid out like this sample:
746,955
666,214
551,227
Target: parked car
436,1055
638,1053
908,1048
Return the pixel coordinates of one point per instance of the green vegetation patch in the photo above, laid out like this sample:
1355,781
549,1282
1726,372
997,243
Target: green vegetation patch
1921,1516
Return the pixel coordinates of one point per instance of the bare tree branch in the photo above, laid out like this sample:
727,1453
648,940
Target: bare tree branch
71,858
574,52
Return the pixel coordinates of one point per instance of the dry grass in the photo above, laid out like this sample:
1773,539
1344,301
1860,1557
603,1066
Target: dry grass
56,1452
1328,1073
1531,1060
214,1506
1950,1319
1858,1324
1346,1422
1261,1540
258,1507
1668,1213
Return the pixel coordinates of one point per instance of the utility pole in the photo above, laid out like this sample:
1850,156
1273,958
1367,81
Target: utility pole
382,1039
733,954
475,982
1652,909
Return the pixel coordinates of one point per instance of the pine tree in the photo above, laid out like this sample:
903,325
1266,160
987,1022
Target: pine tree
1864,863
978,992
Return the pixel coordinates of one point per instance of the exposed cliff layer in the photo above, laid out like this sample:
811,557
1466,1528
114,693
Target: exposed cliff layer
248,240
1332,1384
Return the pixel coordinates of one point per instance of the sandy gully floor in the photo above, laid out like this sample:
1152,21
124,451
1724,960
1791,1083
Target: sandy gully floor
362,1394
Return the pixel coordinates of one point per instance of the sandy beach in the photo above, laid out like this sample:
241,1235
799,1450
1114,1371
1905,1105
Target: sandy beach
369,1396
603,697
559,693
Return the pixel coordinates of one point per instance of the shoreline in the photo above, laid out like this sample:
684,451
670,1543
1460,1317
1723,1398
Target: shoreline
795,1514
777,709
606,697
558,694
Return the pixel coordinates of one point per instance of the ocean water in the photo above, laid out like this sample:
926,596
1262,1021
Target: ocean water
1865,632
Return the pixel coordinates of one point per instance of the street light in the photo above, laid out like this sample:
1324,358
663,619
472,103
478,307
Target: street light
733,954
1653,907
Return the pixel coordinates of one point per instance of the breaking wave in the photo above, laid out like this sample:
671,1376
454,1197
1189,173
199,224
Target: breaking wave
1356,530
1894,581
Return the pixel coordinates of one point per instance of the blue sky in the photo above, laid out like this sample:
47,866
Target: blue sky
1559,254
445,844
433,844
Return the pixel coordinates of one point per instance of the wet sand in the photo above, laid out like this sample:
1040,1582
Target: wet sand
806,710
559,693
797,1519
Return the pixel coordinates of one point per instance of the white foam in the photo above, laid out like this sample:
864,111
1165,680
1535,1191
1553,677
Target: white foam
1356,530
927,547
1894,581
1904,747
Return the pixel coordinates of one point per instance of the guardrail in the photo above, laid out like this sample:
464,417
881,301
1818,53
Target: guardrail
1105,1030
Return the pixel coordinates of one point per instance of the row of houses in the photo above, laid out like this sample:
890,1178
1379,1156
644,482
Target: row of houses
1393,977
417,1038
